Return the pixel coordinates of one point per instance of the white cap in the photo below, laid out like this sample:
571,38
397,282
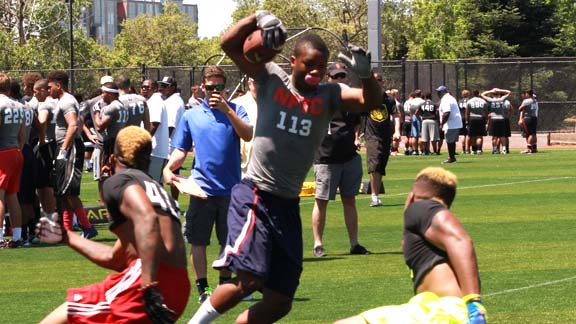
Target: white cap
106,79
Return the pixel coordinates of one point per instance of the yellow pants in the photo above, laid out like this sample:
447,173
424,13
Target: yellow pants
424,308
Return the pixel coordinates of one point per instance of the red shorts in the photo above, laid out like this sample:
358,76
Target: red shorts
11,162
117,299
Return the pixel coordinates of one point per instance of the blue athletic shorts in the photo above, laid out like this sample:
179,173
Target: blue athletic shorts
264,238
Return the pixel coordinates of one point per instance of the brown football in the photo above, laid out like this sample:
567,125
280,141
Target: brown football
254,52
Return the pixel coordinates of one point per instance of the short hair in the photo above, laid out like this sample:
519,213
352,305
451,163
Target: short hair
313,40
133,147
417,93
31,77
42,84
427,95
5,83
436,183
15,89
213,71
59,77
123,82
476,93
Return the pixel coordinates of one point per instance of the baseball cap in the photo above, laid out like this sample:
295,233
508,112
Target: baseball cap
106,79
336,68
442,88
167,80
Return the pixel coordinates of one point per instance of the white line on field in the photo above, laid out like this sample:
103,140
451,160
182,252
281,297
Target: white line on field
528,287
470,187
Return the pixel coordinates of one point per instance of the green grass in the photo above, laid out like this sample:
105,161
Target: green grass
519,209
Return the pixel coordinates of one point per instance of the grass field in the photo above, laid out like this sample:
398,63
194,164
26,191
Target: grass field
519,209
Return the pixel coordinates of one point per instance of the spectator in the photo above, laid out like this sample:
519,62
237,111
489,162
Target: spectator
529,121
70,158
148,88
450,121
337,165
378,136
290,129
159,132
12,137
195,99
441,256
153,285
215,128
477,111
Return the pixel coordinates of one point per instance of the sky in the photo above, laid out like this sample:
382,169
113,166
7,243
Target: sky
213,16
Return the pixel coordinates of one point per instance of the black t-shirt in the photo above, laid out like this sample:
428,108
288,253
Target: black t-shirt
428,110
377,122
420,255
114,187
338,143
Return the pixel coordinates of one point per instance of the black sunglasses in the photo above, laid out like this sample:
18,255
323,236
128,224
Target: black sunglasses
339,76
211,87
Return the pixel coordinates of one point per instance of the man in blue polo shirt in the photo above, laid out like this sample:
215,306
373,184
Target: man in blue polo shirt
213,129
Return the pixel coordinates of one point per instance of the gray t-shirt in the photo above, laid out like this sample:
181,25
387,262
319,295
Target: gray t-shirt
530,108
477,107
136,106
118,116
11,116
29,115
289,130
66,105
50,106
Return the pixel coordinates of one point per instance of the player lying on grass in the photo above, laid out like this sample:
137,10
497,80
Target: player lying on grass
441,257
150,254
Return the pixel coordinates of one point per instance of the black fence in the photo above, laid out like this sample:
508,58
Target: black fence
553,80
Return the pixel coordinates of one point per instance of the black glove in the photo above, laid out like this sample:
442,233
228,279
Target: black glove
273,32
157,311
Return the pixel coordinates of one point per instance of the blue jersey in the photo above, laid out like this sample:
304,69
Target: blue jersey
216,166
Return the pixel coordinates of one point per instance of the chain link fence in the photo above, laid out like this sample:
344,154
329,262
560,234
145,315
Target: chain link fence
553,80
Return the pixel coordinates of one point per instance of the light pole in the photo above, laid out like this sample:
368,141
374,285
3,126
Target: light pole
71,27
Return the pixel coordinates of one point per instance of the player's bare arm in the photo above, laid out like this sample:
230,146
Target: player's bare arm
72,122
447,233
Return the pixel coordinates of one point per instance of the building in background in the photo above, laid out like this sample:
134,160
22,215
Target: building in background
103,20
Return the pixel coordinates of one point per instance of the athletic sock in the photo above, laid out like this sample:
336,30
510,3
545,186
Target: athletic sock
205,313
201,284
375,198
16,233
67,219
82,218
223,280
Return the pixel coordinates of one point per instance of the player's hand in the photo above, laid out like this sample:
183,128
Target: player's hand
62,155
359,62
476,310
50,231
274,33
155,307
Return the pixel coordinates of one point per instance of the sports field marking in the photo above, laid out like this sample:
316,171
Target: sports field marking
469,187
548,283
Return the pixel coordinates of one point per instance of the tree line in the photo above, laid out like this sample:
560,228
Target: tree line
34,34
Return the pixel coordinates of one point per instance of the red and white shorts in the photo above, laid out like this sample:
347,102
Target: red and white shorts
117,299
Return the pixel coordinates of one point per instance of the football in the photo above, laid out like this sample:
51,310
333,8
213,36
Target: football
254,52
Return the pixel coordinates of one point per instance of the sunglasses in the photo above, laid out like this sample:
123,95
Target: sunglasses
339,76
212,87
146,87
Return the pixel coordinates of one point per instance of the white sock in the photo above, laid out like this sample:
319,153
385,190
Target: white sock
374,198
205,314
16,233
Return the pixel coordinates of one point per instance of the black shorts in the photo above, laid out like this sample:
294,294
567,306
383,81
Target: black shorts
264,238
497,128
406,129
464,129
201,216
507,128
28,177
67,174
529,126
477,127
44,165
377,154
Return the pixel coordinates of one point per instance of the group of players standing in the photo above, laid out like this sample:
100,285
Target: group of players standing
483,114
